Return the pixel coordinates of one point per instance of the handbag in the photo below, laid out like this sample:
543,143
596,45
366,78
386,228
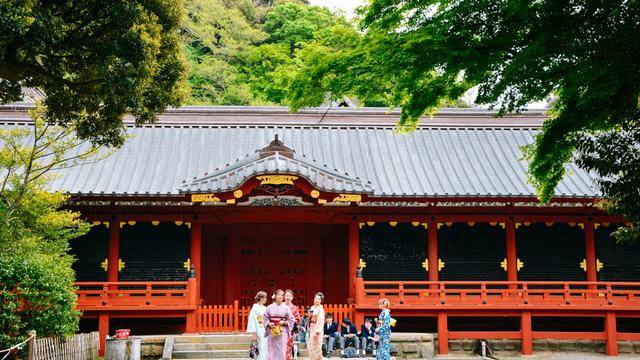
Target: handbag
253,350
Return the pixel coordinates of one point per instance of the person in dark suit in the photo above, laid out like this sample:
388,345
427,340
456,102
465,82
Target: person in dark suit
367,336
331,334
348,336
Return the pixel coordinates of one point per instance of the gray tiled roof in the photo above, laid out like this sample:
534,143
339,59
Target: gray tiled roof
432,161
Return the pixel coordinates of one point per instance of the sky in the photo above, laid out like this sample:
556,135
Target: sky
347,5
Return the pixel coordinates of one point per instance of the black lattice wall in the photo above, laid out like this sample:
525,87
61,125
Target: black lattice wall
471,252
621,262
550,253
90,251
154,252
393,252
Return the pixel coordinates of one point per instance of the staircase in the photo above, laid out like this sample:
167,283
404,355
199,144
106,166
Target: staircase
221,347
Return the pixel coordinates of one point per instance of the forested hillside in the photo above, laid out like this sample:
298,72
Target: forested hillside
244,52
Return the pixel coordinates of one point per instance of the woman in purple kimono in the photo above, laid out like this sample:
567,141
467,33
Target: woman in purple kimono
279,323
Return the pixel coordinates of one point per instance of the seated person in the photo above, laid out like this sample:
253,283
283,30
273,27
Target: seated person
304,328
349,336
367,336
331,334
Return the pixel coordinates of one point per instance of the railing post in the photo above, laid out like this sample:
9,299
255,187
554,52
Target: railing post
192,296
526,333
236,314
359,288
442,294
525,293
31,346
148,293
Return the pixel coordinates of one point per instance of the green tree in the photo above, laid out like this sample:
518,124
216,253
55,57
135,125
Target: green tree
214,33
36,278
421,54
95,60
293,32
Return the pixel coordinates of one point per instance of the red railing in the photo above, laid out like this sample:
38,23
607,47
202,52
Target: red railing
136,295
503,294
232,318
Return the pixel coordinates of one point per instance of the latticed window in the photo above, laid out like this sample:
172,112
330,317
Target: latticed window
154,252
393,252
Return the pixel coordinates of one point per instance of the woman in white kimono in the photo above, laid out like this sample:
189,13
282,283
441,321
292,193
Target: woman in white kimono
255,324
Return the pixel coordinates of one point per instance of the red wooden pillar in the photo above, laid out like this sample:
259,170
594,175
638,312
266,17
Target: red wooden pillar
432,252
526,333
114,249
195,254
354,257
590,252
512,257
443,334
611,334
103,331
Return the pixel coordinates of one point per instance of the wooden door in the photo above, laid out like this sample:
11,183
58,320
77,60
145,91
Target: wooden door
270,263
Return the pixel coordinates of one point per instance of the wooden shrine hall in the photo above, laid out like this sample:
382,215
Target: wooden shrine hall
199,211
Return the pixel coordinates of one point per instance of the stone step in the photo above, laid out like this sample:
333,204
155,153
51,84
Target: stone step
227,338
211,354
211,346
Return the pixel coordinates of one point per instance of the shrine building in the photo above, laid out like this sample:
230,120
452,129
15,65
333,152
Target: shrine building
199,211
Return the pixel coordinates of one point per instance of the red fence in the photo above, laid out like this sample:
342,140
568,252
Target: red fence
233,318
156,294
503,294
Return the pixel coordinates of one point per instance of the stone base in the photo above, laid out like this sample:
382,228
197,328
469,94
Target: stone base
513,347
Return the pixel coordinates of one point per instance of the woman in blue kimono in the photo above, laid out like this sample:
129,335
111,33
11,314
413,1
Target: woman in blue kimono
384,331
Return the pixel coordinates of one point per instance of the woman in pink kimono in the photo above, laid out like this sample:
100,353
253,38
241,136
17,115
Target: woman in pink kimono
316,328
279,323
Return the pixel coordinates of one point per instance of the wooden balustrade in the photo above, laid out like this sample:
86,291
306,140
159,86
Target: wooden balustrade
233,318
502,294
136,295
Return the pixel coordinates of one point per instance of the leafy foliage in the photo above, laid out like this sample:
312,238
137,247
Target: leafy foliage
244,54
36,279
95,60
423,53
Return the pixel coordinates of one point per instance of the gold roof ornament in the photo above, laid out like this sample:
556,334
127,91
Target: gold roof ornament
415,223
314,194
197,198
393,223
583,265
440,264
503,264
599,265
371,223
187,264
105,264
238,193
178,222
348,198
519,264
425,265
278,179
155,222
121,265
